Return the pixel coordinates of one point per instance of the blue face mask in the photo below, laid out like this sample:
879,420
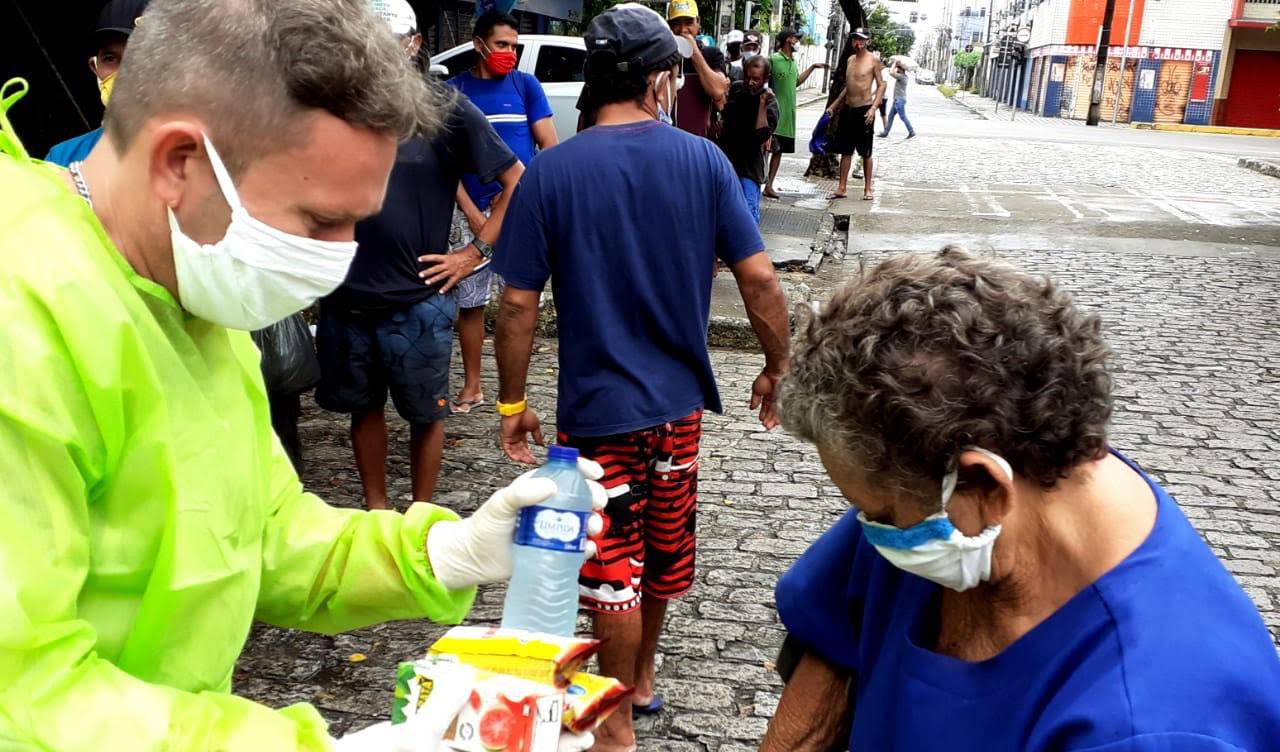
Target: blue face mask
934,549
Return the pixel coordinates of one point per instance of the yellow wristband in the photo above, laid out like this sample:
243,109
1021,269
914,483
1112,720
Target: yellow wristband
514,408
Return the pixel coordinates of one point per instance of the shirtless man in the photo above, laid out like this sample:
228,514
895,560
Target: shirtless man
863,91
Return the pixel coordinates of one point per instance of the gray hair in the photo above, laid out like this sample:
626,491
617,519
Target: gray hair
927,355
251,68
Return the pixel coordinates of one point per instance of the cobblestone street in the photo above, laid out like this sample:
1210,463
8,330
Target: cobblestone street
1197,374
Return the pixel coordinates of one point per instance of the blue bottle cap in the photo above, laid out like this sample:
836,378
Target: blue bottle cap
559,453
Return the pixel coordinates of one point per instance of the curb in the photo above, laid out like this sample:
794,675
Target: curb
811,100
731,332
971,108
1264,166
1222,130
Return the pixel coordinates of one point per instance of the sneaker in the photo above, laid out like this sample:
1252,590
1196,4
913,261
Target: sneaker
910,136
883,135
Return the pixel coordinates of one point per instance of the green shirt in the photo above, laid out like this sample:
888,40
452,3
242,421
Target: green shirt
785,74
147,512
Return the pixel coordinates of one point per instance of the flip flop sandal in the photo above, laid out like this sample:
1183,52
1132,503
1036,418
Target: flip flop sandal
654,707
463,407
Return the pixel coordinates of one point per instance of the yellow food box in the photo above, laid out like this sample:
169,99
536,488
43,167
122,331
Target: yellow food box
538,657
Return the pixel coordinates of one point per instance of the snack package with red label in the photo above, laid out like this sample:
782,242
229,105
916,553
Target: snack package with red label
590,699
506,714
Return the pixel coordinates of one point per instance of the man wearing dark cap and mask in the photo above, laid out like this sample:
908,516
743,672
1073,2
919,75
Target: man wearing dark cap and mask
115,24
633,297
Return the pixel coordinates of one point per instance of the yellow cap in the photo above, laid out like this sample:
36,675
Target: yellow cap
682,9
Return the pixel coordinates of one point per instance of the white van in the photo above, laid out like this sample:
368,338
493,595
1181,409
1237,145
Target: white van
554,60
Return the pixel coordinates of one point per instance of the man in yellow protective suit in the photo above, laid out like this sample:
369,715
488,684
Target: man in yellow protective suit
147,512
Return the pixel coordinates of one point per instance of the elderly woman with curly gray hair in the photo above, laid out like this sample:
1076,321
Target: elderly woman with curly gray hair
1005,578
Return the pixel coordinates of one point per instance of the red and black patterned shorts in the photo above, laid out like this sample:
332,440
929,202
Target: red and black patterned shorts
647,547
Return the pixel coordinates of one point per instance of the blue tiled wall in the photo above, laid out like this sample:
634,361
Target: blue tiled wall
1198,113
1144,100
1053,89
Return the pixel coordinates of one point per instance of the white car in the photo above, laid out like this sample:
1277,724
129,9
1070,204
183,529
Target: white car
556,61
925,76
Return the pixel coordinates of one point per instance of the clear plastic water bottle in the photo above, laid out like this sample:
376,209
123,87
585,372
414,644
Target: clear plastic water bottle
549,550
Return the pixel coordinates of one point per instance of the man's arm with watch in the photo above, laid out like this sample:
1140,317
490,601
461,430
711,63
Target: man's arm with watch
449,269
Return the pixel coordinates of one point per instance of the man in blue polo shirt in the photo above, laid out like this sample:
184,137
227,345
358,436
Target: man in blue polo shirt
518,110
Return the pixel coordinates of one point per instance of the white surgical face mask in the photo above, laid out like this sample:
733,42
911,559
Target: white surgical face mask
934,549
256,275
667,115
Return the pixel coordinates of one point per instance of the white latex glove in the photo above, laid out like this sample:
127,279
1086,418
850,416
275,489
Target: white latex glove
477,550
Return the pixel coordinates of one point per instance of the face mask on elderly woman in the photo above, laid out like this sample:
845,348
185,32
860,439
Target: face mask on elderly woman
934,549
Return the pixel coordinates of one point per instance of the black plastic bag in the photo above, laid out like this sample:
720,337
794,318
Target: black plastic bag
289,362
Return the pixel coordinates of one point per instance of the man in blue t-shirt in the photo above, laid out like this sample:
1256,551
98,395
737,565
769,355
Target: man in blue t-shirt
627,220
518,110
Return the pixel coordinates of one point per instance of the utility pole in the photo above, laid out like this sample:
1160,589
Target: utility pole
1100,70
1124,59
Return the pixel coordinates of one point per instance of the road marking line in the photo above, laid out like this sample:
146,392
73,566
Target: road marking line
1053,195
996,209
1165,206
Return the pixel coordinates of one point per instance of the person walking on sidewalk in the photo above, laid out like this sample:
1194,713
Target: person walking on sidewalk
786,79
749,119
899,102
517,108
633,297
856,110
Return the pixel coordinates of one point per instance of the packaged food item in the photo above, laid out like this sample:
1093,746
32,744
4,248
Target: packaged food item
528,655
417,683
506,714
590,699
471,710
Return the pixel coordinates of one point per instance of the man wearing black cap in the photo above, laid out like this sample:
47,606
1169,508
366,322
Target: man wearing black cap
627,220
115,24
855,131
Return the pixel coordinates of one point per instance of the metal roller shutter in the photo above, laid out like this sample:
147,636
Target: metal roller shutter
1070,82
1172,89
1126,89
1253,101
1086,67
1033,101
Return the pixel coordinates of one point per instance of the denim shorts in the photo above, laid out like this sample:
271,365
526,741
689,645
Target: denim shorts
476,290
406,351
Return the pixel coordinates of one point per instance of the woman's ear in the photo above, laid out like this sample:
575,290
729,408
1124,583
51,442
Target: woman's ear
986,482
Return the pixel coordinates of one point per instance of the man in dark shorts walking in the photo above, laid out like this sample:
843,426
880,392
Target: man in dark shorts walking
856,114
633,296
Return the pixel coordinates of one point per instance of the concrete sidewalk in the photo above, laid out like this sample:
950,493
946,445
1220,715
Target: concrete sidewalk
1222,130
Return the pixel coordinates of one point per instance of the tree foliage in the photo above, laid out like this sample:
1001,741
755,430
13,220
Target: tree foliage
889,37
967,60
